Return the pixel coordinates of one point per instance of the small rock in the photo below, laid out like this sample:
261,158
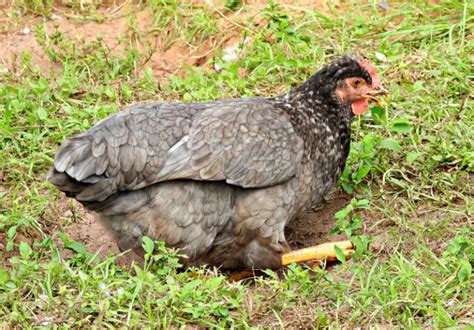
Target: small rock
381,57
450,303
46,320
43,297
68,214
375,246
26,30
383,4
232,53
55,17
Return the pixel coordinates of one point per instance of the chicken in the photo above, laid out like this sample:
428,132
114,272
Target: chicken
218,180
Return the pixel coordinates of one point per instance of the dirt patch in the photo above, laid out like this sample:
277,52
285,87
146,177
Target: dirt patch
17,33
17,38
313,227
81,226
96,239
116,32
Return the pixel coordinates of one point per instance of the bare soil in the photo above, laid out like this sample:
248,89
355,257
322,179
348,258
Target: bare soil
17,33
96,239
312,228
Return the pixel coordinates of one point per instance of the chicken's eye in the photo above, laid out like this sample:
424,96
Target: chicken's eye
356,83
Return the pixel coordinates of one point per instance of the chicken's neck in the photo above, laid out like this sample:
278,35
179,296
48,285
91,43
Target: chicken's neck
320,120
325,126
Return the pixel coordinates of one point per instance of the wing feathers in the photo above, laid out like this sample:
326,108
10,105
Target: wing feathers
246,142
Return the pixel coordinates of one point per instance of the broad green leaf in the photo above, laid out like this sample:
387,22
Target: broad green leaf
215,282
362,203
412,156
4,276
339,254
41,113
378,114
190,286
361,243
465,271
72,245
25,250
348,188
344,212
10,246
62,236
417,85
362,172
76,247
11,232
400,126
391,144
148,244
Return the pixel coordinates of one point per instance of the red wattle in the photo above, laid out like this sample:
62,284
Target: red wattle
359,106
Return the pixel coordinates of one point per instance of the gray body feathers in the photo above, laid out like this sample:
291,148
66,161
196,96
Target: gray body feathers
218,180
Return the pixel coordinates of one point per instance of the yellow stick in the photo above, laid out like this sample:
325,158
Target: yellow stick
324,251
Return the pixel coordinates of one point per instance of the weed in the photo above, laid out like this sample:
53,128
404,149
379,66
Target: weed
233,4
37,7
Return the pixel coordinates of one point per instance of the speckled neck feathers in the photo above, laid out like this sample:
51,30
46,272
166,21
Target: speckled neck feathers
320,118
315,110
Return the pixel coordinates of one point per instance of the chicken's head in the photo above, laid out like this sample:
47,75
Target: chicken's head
359,85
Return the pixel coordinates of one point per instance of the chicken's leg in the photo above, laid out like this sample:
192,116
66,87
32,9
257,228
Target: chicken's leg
321,252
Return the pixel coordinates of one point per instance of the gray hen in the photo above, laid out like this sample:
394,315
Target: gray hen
218,180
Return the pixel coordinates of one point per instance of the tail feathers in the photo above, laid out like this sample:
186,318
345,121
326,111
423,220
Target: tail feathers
75,157
100,196
79,173
72,151
120,203
65,183
96,191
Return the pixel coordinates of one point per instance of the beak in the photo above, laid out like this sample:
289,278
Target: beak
375,92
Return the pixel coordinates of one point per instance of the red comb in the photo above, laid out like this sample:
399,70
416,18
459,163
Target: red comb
367,65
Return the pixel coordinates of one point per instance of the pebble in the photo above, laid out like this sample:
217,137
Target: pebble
381,57
231,53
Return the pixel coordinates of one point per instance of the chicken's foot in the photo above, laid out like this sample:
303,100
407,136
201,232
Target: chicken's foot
320,252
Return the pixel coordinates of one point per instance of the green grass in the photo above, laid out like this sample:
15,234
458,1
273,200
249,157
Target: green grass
410,169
